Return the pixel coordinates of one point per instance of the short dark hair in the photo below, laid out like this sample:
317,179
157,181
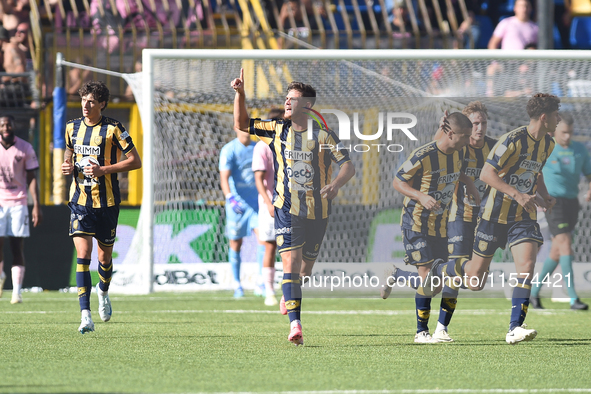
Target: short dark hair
305,89
98,89
275,113
460,120
9,117
567,118
475,106
542,103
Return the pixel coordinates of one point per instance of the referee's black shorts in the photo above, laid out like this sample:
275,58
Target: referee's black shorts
564,216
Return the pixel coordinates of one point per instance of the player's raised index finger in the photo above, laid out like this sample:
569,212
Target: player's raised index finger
242,74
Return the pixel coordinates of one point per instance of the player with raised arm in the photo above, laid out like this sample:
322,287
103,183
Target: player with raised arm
565,165
94,144
304,188
513,172
18,170
428,179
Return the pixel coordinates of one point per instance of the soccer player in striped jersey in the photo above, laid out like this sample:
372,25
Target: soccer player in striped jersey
428,179
304,187
464,211
513,173
94,144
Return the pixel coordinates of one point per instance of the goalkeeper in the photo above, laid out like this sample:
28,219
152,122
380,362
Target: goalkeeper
304,187
238,185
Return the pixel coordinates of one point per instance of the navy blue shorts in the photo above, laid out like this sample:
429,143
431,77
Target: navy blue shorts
100,223
294,232
490,236
422,249
460,238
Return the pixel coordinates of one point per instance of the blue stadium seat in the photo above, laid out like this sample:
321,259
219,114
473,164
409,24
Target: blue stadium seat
362,6
486,31
580,32
506,8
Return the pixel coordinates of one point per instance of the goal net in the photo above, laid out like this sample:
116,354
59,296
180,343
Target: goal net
392,100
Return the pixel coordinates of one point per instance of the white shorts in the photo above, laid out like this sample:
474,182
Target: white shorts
266,226
14,221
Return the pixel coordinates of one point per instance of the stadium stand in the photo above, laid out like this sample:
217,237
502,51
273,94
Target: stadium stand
580,32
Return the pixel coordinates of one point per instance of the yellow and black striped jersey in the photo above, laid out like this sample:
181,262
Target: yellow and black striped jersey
302,165
518,158
101,144
435,173
474,159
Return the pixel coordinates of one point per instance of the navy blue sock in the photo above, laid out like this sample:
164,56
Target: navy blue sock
292,292
83,282
105,272
449,299
520,302
423,311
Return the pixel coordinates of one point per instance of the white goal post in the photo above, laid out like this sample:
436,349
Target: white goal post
186,108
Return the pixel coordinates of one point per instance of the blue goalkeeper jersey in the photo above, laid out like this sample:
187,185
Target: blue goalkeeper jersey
564,168
237,158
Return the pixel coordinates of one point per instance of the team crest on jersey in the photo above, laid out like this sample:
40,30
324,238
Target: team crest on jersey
279,240
450,248
543,156
416,256
482,245
311,145
98,139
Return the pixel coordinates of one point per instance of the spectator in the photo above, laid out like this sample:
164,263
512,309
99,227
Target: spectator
291,10
466,27
12,12
77,77
399,17
21,40
3,40
515,32
15,58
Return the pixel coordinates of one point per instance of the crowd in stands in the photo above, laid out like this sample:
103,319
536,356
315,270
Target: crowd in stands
127,26
469,22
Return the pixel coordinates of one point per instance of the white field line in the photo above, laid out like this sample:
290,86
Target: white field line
330,312
423,391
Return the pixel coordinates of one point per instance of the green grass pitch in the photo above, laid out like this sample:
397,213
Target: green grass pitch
209,342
